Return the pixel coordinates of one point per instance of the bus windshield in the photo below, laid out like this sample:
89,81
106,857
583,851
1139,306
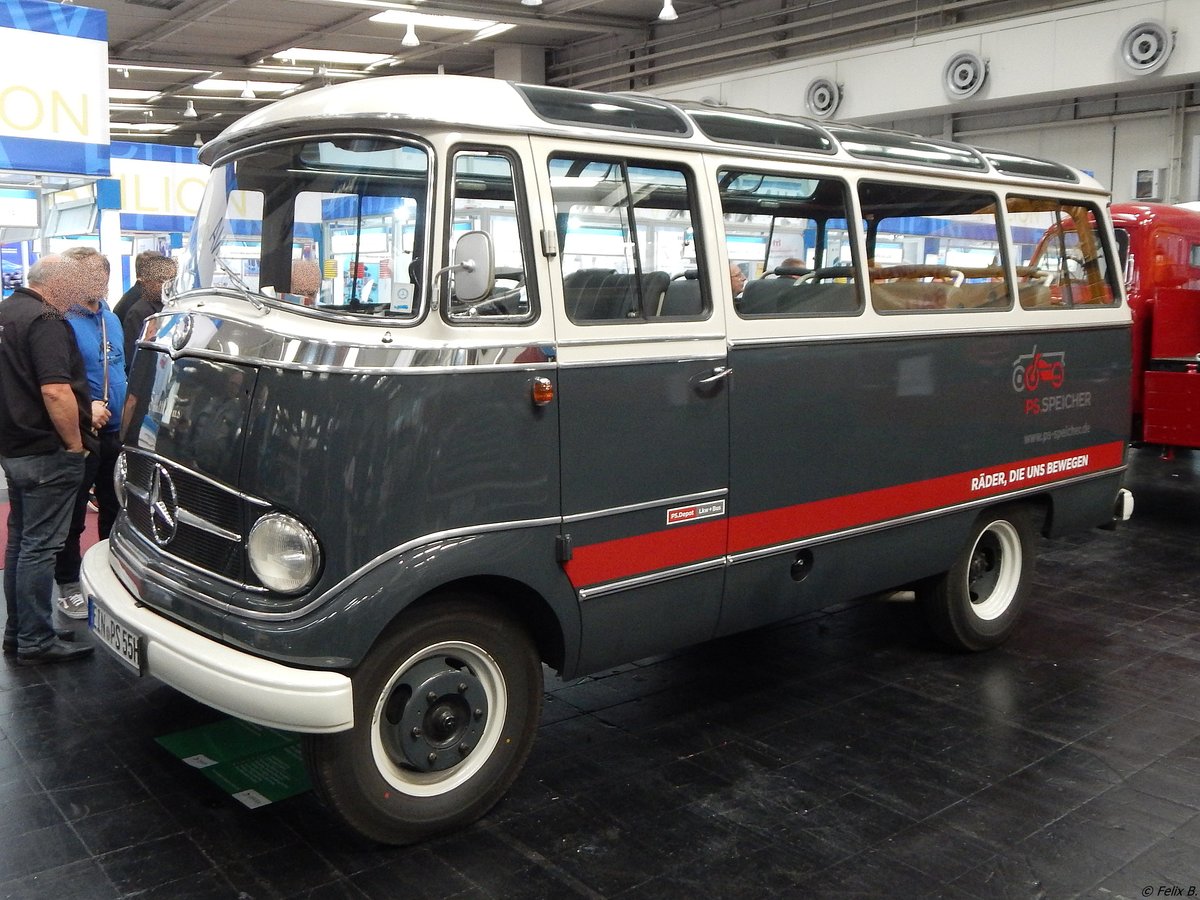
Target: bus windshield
335,224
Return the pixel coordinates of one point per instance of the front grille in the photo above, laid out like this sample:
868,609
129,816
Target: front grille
205,510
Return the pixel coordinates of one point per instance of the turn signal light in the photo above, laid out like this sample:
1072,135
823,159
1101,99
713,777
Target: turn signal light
543,391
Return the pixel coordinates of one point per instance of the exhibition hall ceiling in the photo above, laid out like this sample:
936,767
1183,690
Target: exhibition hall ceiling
181,70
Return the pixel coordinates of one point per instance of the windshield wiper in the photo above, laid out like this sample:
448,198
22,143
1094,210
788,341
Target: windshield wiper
245,289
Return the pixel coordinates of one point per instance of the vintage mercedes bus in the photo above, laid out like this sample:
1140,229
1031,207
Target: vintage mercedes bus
454,384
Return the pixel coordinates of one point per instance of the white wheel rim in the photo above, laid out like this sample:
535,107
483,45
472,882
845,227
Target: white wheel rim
432,784
994,570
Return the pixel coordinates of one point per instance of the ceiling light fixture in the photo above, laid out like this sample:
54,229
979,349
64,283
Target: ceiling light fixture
337,57
668,14
430,20
256,87
247,93
190,111
410,37
492,31
531,2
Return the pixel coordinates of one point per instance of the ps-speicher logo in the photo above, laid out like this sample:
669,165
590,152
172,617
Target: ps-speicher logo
1034,369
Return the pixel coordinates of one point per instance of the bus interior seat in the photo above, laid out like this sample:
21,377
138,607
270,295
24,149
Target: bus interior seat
788,297
765,296
1034,296
892,296
683,297
979,295
598,295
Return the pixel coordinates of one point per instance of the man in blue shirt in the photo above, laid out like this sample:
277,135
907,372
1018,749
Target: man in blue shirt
98,334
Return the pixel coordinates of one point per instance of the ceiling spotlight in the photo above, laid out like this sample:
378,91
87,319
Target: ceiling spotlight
531,2
190,112
410,37
247,93
199,141
668,13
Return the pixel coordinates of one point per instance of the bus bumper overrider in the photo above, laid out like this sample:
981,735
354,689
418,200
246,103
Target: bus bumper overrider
222,677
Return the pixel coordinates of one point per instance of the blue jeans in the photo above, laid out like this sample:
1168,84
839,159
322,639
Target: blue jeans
98,471
41,496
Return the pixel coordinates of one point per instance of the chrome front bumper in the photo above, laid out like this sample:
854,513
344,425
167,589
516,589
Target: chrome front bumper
219,676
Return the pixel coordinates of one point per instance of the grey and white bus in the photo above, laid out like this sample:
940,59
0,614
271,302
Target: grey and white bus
454,384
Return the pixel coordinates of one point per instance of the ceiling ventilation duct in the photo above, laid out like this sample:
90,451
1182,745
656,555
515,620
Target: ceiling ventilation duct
822,97
964,75
1146,47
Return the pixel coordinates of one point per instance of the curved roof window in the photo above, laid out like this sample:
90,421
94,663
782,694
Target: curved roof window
905,148
1012,164
738,128
570,107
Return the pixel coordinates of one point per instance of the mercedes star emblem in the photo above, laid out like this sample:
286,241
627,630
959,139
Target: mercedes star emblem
164,506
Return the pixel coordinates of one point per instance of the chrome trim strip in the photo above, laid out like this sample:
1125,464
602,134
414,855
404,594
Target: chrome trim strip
640,339
642,580
861,336
649,504
187,517
591,593
149,454
377,346
750,555
407,546
350,370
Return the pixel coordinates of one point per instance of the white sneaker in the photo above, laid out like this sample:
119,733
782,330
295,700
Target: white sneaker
73,606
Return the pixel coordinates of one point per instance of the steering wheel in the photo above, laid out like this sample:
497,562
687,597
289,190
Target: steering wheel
495,303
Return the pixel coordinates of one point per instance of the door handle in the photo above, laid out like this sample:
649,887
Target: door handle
717,374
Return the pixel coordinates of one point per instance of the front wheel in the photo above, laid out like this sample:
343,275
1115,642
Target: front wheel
976,605
445,709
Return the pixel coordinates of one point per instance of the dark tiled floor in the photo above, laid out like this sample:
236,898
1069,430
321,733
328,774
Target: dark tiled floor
843,754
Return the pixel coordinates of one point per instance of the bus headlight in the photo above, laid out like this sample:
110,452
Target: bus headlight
283,553
120,476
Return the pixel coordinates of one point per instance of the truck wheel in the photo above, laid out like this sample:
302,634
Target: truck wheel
976,604
445,710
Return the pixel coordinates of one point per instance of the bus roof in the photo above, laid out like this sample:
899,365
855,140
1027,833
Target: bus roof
490,104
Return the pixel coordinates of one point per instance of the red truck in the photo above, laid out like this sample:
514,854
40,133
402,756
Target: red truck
1160,247
1159,250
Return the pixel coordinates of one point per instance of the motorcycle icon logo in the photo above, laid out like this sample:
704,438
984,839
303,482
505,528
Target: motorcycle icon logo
1033,369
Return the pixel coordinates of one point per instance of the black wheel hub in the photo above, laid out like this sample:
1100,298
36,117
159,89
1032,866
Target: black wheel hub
983,570
434,716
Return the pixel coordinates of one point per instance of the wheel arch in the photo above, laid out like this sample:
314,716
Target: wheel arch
527,605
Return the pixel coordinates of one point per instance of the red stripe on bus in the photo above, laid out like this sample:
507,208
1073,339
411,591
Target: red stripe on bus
627,557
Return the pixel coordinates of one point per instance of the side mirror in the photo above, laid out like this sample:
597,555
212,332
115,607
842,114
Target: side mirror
474,267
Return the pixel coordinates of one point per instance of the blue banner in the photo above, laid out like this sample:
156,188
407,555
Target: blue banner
54,18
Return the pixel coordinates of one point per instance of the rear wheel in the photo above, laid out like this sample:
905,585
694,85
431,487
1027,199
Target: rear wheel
976,605
445,709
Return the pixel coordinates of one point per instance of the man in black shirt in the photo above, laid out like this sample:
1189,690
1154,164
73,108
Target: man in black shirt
134,294
45,432
157,270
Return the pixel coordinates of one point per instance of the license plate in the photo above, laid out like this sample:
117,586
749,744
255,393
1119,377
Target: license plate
126,644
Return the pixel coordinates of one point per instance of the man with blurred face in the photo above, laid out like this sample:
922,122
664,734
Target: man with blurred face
156,271
45,437
100,340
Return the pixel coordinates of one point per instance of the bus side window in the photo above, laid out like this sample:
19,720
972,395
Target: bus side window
487,197
933,248
628,242
792,234
1069,265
